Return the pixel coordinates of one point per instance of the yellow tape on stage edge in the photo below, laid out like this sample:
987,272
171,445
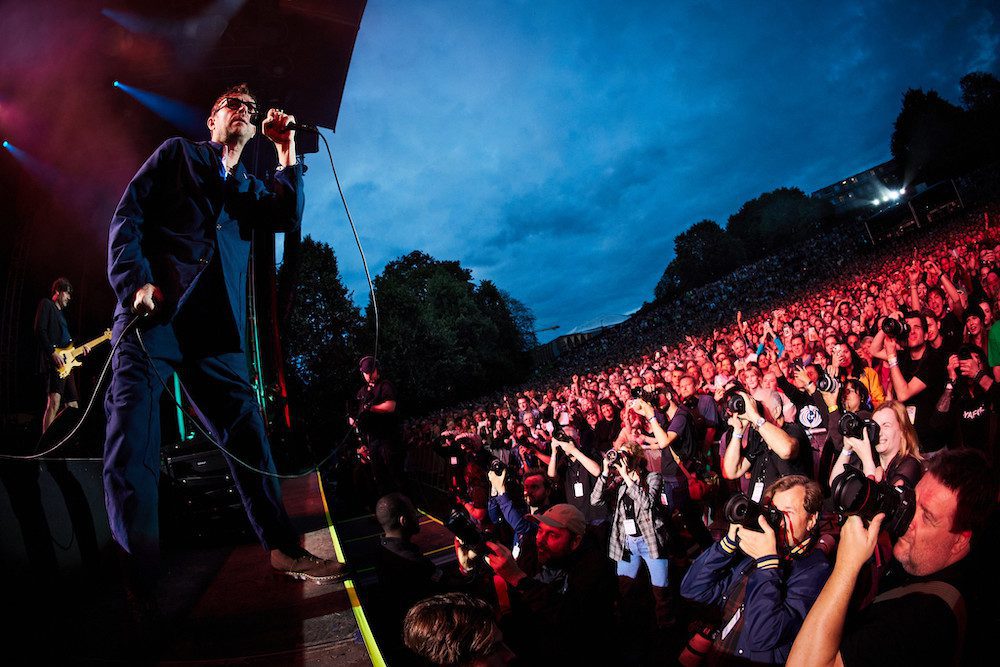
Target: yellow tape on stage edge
359,614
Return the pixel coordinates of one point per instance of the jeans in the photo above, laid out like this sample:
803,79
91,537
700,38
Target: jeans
640,550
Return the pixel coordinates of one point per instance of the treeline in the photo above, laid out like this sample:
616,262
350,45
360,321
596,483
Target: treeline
441,337
932,140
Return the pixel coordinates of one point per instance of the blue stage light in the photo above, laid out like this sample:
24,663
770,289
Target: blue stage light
182,115
116,84
6,144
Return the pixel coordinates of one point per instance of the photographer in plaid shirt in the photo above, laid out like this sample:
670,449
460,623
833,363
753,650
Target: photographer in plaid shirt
638,527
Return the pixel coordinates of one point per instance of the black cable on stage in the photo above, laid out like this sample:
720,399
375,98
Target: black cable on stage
90,403
197,422
357,240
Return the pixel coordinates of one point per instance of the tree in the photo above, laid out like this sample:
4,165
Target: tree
320,342
441,337
928,138
981,92
981,99
764,224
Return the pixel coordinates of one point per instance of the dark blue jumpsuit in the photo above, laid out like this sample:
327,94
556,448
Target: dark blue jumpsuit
185,227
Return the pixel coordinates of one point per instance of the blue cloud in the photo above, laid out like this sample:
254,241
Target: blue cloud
557,148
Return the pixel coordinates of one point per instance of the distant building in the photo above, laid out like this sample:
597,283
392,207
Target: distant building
864,193
555,348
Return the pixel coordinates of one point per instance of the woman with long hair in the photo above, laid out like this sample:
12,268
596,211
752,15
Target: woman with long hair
896,454
976,331
848,364
631,494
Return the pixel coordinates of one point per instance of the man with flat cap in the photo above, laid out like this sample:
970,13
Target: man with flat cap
379,426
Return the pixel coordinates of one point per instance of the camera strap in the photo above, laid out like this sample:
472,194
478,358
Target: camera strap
946,593
503,595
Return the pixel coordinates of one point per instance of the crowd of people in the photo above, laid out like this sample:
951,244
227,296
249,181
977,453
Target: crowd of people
812,481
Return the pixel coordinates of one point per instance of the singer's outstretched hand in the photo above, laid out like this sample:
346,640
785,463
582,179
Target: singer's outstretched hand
147,298
275,129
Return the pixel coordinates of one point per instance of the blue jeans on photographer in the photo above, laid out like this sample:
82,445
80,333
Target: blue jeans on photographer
638,550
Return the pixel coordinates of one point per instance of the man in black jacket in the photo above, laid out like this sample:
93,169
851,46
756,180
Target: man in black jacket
570,598
52,332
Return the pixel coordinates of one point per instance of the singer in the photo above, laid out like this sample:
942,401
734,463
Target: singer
178,250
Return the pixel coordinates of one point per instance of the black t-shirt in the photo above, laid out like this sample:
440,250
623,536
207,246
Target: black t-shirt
930,369
51,331
767,467
683,444
606,431
578,485
379,427
950,330
973,414
914,629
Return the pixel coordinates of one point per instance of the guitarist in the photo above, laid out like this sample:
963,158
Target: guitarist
379,426
51,332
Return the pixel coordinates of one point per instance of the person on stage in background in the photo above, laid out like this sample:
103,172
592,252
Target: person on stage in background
51,332
178,251
380,427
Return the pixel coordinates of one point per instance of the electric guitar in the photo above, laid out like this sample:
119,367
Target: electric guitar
361,452
69,354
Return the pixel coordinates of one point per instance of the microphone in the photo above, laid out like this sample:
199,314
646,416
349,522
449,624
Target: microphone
302,127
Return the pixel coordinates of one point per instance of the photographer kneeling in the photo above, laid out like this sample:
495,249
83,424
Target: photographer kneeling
919,617
561,613
764,573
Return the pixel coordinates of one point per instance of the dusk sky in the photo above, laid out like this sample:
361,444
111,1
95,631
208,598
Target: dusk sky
557,148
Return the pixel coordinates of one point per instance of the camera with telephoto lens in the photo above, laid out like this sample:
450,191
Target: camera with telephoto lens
854,493
897,329
853,425
498,467
461,524
559,433
615,456
744,512
827,383
644,394
735,402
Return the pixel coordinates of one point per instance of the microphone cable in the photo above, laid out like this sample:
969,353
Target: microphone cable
132,326
357,239
90,403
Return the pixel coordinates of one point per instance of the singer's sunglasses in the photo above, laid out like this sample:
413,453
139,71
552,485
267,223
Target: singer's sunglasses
235,103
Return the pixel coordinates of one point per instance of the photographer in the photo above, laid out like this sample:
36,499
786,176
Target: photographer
562,613
579,471
969,400
919,616
765,582
766,447
852,397
898,449
916,371
678,448
638,531
537,490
